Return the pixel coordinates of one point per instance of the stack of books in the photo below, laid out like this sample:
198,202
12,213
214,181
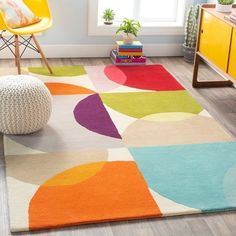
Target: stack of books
232,17
128,54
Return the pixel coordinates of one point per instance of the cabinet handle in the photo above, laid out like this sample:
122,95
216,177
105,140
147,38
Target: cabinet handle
202,31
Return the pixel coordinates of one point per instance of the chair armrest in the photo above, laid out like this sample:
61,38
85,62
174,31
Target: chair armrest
3,24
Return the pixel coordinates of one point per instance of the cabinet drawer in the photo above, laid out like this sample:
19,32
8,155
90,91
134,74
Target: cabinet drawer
232,60
215,40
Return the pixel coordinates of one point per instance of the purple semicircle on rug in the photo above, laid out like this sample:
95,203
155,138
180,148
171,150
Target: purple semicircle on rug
91,114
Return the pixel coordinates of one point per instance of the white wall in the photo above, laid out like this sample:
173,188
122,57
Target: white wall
70,26
69,35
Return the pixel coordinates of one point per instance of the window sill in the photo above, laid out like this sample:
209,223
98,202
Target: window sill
110,30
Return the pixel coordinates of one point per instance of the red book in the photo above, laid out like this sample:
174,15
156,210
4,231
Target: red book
130,50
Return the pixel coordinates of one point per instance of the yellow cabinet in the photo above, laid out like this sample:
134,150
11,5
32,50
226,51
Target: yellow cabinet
215,40
232,60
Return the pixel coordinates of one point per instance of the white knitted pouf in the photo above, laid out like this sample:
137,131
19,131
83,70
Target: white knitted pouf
25,104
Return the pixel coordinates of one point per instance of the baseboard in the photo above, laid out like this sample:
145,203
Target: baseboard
86,50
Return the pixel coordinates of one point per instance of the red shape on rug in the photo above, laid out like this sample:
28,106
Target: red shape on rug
148,77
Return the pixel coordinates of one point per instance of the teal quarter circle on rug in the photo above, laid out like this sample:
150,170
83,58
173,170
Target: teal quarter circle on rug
198,176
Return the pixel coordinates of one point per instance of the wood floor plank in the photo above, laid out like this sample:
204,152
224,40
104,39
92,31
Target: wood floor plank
161,227
199,227
220,102
179,227
135,228
218,226
230,221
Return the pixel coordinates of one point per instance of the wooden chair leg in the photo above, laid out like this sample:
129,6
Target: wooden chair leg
42,54
17,54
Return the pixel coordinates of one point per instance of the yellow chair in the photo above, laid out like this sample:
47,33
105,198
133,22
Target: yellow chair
41,9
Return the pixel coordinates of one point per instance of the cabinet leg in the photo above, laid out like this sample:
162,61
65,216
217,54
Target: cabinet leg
206,84
195,70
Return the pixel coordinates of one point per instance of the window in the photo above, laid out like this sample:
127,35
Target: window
156,17
122,8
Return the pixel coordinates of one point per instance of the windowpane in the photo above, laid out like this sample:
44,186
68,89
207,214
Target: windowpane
148,12
156,17
158,10
122,8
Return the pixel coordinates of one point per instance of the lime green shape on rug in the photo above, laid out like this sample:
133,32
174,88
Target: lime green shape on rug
142,104
59,71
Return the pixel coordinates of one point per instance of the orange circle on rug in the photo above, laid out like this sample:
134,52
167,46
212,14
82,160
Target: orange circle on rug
116,192
67,89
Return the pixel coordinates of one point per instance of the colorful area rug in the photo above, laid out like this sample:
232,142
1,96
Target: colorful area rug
122,143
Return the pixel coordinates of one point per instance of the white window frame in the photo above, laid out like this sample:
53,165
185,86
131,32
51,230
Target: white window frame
166,28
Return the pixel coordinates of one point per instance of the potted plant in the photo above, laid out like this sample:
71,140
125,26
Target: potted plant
130,29
108,16
224,5
191,31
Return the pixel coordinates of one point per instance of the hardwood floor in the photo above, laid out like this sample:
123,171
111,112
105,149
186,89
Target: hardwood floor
220,102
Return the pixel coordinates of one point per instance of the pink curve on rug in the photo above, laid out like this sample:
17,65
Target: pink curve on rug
91,114
99,79
149,77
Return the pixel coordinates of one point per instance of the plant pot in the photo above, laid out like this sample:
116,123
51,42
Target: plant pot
189,54
108,22
223,8
128,39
